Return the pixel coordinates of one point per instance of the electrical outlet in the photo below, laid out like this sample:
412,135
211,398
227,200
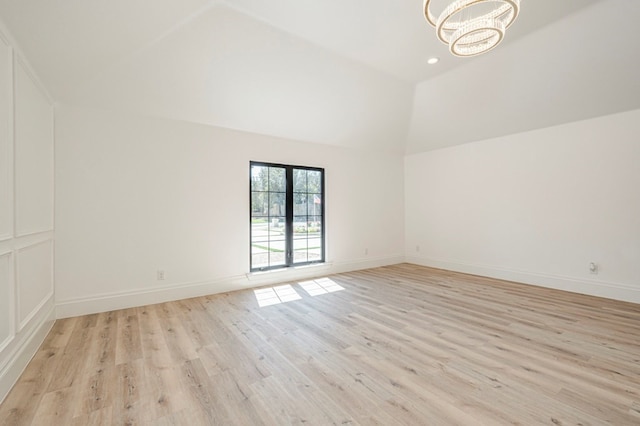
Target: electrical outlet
593,268
160,275
366,251
417,249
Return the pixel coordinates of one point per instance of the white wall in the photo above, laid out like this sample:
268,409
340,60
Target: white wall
26,214
534,207
134,195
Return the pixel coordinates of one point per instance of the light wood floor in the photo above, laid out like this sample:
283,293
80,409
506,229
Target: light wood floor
399,345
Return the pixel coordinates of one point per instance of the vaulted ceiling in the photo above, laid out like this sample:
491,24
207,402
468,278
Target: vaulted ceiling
343,72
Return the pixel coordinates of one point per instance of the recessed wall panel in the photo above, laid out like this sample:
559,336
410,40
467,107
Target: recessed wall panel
34,278
6,142
5,298
34,156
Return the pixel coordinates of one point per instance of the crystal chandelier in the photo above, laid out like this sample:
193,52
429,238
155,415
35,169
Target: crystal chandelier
472,27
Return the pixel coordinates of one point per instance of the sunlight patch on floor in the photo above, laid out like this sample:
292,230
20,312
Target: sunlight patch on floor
275,295
286,293
320,286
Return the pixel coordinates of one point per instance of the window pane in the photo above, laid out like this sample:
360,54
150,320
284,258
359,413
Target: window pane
277,179
300,203
314,226
314,181
259,203
276,246
277,228
314,205
259,178
277,204
259,232
314,253
299,227
299,180
260,255
259,229
277,254
315,243
300,250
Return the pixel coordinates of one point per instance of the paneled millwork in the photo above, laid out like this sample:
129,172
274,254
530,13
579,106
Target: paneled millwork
35,279
26,214
396,345
33,156
6,298
6,141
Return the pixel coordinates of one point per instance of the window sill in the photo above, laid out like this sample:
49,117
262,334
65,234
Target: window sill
294,271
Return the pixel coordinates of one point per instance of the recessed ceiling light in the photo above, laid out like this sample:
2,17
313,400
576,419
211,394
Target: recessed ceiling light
433,61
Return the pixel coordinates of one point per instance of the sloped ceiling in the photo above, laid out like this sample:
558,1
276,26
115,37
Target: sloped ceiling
583,66
344,72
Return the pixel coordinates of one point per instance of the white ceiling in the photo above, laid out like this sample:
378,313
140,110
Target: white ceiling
345,72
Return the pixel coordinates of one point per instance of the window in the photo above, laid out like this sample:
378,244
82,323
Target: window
287,215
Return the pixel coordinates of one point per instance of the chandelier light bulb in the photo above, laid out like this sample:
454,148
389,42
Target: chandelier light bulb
472,27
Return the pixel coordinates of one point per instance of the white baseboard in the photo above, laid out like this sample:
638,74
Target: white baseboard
367,263
112,301
575,285
17,355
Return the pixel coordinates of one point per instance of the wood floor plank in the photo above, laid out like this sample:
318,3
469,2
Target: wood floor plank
93,389
128,344
55,408
401,344
100,417
202,392
127,387
20,406
69,366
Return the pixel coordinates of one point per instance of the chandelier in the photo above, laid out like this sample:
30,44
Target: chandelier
472,27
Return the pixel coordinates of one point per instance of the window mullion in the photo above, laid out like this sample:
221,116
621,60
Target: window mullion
289,217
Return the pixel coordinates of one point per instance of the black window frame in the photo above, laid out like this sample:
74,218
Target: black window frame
289,216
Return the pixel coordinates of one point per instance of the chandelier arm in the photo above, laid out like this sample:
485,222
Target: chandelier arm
430,17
